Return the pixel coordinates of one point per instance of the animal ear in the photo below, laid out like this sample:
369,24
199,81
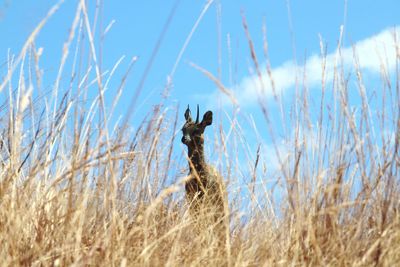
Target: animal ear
207,119
188,115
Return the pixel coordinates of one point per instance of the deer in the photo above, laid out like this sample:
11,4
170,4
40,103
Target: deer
205,188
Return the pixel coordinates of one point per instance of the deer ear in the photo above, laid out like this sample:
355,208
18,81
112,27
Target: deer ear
207,119
188,115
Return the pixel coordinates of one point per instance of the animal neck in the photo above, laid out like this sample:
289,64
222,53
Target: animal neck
196,156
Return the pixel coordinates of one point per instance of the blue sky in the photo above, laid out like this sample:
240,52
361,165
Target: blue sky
293,28
138,25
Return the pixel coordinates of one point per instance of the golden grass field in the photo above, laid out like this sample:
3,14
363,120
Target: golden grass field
78,189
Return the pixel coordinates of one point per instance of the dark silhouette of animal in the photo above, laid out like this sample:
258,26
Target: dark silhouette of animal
205,187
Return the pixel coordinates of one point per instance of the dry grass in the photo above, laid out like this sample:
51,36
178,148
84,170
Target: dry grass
76,190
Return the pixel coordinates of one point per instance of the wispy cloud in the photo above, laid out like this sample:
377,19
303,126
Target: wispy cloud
372,54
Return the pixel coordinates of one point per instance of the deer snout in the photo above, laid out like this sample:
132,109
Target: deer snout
186,139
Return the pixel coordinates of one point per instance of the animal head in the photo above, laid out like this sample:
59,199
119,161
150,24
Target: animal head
193,130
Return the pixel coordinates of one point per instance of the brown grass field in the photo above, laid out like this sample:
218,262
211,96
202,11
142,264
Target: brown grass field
78,189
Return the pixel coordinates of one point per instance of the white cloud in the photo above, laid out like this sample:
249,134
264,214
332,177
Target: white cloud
371,54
